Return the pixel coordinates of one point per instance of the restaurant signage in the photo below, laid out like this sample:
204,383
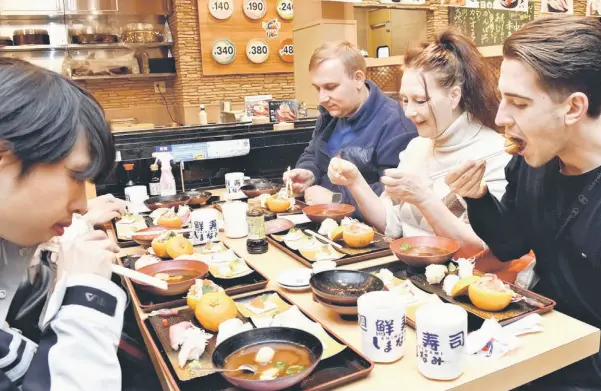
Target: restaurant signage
221,9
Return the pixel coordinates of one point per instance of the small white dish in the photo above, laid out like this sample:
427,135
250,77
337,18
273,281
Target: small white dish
294,279
322,266
295,288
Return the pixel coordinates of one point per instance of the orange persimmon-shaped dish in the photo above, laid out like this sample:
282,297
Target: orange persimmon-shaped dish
215,308
278,204
170,220
357,235
178,246
490,294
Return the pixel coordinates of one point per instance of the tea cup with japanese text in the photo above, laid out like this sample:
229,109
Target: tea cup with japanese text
383,323
441,333
205,226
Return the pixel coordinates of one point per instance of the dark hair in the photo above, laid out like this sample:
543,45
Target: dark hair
456,61
565,53
42,114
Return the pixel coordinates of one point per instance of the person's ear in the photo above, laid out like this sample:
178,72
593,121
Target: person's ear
7,156
455,95
359,79
576,108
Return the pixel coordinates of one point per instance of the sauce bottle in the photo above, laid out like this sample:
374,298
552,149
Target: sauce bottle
129,172
154,187
257,241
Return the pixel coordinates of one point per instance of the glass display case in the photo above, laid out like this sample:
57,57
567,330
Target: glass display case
87,39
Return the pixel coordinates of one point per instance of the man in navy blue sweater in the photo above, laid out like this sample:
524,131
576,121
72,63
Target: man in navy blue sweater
358,123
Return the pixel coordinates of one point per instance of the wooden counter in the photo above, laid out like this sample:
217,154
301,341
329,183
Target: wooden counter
565,340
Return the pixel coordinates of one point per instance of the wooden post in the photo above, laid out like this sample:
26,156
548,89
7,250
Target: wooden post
315,22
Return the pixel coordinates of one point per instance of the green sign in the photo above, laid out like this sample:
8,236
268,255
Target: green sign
489,27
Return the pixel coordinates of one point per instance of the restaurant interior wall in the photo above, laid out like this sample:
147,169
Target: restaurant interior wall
190,88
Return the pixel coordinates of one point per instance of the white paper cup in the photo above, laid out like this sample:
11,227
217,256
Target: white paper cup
383,325
205,227
441,334
234,219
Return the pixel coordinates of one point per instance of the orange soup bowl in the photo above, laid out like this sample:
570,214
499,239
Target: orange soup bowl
189,269
319,212
421,251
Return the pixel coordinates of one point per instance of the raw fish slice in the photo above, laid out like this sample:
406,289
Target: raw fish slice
177,334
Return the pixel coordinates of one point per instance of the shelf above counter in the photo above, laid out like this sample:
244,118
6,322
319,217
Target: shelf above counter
377,5
140,76
93,46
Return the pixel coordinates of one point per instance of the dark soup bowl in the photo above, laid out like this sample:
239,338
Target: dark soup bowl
421,251
154,203
343,287
318,213
256,189
188,270
198,197
289,344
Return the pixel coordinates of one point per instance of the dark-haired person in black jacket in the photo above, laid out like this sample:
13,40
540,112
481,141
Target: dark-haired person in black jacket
551,107
53,137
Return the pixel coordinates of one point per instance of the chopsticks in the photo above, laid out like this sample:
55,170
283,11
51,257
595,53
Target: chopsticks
289,187
323,238
442,173
141,277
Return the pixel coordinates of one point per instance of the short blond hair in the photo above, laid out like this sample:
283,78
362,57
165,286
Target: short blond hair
348,53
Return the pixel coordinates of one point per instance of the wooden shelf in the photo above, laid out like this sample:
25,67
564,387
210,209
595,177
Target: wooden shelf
384,62
119,45
32,48
92,46
377,5
141,76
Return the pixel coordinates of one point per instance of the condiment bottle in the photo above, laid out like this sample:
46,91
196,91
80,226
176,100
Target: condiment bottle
203,115
129,172
154,186
256,242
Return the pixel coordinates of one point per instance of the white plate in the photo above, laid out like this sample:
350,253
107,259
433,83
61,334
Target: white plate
295,278
295,288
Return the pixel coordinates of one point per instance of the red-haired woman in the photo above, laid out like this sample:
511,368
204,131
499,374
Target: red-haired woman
450,95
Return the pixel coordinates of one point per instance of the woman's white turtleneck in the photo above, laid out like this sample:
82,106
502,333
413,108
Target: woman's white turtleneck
465,139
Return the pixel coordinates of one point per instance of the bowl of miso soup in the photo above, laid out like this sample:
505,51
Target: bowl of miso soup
421,251
282,357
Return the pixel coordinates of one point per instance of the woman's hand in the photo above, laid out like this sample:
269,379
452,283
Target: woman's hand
403,186
342,172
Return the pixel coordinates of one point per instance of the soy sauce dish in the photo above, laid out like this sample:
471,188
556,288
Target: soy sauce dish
283,357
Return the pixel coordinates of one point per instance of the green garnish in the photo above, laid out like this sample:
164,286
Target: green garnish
281,365
405,247
452,268
294,369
